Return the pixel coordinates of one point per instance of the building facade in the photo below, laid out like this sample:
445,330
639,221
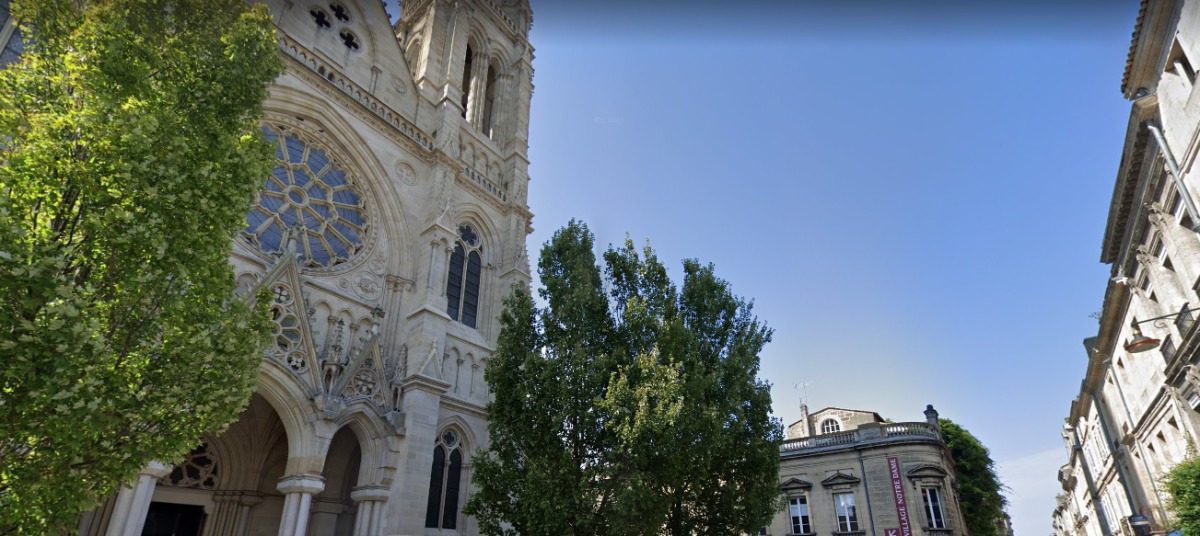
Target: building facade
1136,412
849,472
388,234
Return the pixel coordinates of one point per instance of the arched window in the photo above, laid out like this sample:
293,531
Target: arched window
444,477
489,102
198,470
462,282
466,80
829,426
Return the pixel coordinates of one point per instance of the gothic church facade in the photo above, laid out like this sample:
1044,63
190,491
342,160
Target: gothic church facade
388,235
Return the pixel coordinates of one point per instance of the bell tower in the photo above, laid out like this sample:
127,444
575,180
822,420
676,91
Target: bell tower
473,58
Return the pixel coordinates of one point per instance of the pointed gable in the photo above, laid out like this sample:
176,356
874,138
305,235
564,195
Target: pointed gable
292,347
927,471
796,484
840,479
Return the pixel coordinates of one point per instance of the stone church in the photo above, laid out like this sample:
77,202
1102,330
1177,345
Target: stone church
388,234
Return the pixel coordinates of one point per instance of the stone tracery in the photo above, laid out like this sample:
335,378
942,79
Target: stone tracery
309,206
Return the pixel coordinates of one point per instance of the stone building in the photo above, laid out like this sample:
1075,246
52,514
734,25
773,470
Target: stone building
847,471
388,234
1136,411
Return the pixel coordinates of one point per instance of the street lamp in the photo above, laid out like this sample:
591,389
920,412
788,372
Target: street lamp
1142,343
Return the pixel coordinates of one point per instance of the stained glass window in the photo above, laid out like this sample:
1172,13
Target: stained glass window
441,510
462,281
309,201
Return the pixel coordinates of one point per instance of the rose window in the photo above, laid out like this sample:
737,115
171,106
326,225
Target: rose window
307,203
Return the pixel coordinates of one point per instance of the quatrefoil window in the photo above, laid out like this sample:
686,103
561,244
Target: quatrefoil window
349,40
319,18
340,12
308,203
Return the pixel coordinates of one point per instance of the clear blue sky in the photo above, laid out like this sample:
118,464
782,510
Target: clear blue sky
913,193
914,196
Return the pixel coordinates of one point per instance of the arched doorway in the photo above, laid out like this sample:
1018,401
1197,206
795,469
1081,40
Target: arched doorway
226,485
332,509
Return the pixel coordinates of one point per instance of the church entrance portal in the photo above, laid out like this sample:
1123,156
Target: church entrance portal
168,519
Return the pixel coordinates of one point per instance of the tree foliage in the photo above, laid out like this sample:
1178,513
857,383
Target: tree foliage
981,494
626,405
130,156
1183,483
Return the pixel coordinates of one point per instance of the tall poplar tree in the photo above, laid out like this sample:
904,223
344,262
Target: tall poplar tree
981,494
626,405
129,156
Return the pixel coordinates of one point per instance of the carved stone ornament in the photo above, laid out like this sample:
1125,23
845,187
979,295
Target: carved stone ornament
376,266
405,173
368,287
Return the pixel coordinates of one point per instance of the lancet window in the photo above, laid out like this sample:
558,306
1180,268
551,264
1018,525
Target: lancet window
444,479
462,281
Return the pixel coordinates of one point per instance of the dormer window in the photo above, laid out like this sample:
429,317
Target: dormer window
829,426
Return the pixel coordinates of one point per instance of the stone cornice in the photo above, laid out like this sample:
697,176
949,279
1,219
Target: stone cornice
1151,35
840,479
421,382
1129,174
463,407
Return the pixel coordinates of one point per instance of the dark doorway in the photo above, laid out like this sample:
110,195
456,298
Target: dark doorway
169,519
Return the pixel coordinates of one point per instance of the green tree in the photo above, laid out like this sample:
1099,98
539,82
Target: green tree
626,405
981,494
130,154
1183,483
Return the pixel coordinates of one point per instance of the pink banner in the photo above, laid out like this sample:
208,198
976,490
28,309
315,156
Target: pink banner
898,494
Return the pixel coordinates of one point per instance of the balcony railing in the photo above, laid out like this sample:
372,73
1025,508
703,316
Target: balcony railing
294,50
487,184
887,432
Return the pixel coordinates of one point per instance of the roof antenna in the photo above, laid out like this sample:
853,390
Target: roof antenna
803,388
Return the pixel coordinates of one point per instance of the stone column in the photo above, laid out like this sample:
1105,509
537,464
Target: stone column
447,253
392,306
231,514
1180,242
1171,292
247,502
324,514
371,501
224,514
505,98
134,503
298,491
489,291
479,67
